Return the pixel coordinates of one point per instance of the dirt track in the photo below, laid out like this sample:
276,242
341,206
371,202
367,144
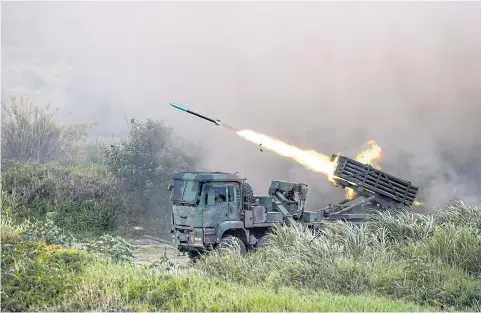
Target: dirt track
147,251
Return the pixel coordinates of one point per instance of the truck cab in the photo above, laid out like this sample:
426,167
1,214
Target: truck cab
210,209
206,205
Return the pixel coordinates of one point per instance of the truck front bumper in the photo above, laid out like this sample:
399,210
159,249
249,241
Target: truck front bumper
188,238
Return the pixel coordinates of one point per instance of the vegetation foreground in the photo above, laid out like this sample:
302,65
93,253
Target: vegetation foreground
409,262
52,181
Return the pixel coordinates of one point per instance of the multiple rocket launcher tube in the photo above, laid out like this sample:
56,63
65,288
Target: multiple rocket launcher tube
398,192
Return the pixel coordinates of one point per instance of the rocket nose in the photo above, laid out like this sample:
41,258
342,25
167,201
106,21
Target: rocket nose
179,107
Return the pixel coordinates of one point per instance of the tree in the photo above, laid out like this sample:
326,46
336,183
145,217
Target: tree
31,134
143,165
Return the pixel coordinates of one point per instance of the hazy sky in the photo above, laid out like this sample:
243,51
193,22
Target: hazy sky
327,76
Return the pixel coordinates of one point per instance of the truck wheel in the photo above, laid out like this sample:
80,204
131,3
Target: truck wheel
261,242
248,193
193,255
229,242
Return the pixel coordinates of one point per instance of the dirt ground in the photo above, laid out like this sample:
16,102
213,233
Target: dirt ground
148,251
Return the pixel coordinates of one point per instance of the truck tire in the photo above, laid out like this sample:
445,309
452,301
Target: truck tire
193,255
226,242
261,242
248,193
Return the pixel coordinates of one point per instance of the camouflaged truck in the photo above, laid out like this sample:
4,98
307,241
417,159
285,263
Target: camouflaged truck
212,208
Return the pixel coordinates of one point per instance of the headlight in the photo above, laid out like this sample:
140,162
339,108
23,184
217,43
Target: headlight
196,239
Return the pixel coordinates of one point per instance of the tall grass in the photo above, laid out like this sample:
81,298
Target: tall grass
459,214
40,277
381,266
429,259
10,231
402,226
117,287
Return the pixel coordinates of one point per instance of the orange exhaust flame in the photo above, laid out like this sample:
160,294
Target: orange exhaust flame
310,159
370,156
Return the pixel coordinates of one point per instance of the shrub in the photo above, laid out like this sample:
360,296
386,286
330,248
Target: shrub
53,278
31,134
11,231
143,166
122,287
82,198
457,247
36,276
114,247
134,182
92,153
50,233
428,282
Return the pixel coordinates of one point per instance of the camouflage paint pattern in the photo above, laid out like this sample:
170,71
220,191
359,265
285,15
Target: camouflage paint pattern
208,204
207,176
205,204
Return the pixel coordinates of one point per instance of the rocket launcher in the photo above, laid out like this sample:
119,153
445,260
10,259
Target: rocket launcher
374,189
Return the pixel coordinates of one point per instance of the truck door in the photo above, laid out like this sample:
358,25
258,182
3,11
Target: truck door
233,211
216,207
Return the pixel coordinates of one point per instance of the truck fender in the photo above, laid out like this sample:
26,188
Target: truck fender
227,225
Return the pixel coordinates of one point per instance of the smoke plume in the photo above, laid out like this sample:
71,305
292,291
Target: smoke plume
327,76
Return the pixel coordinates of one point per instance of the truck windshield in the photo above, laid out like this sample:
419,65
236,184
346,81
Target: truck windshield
184,191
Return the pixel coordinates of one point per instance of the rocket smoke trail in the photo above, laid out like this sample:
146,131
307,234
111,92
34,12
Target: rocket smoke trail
310,159
230,127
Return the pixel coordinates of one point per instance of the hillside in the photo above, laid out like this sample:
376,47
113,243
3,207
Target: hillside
70,239
407,263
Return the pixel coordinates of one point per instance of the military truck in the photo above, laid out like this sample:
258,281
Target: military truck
210,209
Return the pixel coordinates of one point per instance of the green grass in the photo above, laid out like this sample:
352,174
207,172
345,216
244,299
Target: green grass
10,231
402,262
81,197
121,286
396,262
38,277
429,260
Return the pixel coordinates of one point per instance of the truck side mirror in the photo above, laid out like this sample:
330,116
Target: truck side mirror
170,187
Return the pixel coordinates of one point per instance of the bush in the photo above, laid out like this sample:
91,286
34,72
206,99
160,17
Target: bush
455,246
82,198
131,188
114,247
143,166
428,282
11,232
50,233
41,277
36,276
31,134
92,153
